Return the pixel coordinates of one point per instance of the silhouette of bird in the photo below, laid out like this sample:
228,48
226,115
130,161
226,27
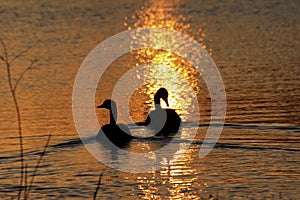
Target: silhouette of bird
163,121
118,134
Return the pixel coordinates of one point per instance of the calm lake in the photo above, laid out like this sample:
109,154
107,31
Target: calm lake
255,46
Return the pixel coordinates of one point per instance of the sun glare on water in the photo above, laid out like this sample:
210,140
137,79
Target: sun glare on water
166,69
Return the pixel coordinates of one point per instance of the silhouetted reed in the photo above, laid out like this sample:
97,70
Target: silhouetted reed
28,188
8,62
98,185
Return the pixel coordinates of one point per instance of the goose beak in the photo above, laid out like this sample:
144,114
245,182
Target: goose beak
101,106
166,100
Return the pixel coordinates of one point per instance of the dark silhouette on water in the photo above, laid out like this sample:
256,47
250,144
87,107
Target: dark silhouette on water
164,121
118,134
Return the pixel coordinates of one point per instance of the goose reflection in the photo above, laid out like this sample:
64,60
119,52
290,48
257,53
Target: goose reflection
118,134
163,121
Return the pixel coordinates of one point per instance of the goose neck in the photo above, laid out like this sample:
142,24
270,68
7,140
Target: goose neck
113,116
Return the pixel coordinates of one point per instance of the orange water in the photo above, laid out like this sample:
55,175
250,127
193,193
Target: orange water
256,48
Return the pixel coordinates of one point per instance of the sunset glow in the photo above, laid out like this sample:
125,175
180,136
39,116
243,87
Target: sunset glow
166,69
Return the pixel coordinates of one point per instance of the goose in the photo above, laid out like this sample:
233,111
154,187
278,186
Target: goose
118,134
163,121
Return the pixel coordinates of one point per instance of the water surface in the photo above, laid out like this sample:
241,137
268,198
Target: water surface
256,48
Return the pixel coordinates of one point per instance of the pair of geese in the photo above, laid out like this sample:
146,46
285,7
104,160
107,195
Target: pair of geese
162,121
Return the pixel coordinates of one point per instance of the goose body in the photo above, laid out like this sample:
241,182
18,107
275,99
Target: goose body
163,121
118,134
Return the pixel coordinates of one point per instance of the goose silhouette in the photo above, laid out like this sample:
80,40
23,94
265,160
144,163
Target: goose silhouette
163,121
118,134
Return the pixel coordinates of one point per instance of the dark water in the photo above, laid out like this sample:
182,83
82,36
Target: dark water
255,46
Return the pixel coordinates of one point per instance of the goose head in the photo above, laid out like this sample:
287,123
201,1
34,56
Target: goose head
112,107
162,93
108,104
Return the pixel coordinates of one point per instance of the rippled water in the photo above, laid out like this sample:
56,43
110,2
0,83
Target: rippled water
254,44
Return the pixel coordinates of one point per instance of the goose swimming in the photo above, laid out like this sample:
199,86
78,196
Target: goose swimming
163,121
118,134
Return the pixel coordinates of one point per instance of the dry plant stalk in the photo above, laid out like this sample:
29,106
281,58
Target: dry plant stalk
8,62
98,185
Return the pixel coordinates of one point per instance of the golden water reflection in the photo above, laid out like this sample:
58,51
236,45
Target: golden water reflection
178,180
167,69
